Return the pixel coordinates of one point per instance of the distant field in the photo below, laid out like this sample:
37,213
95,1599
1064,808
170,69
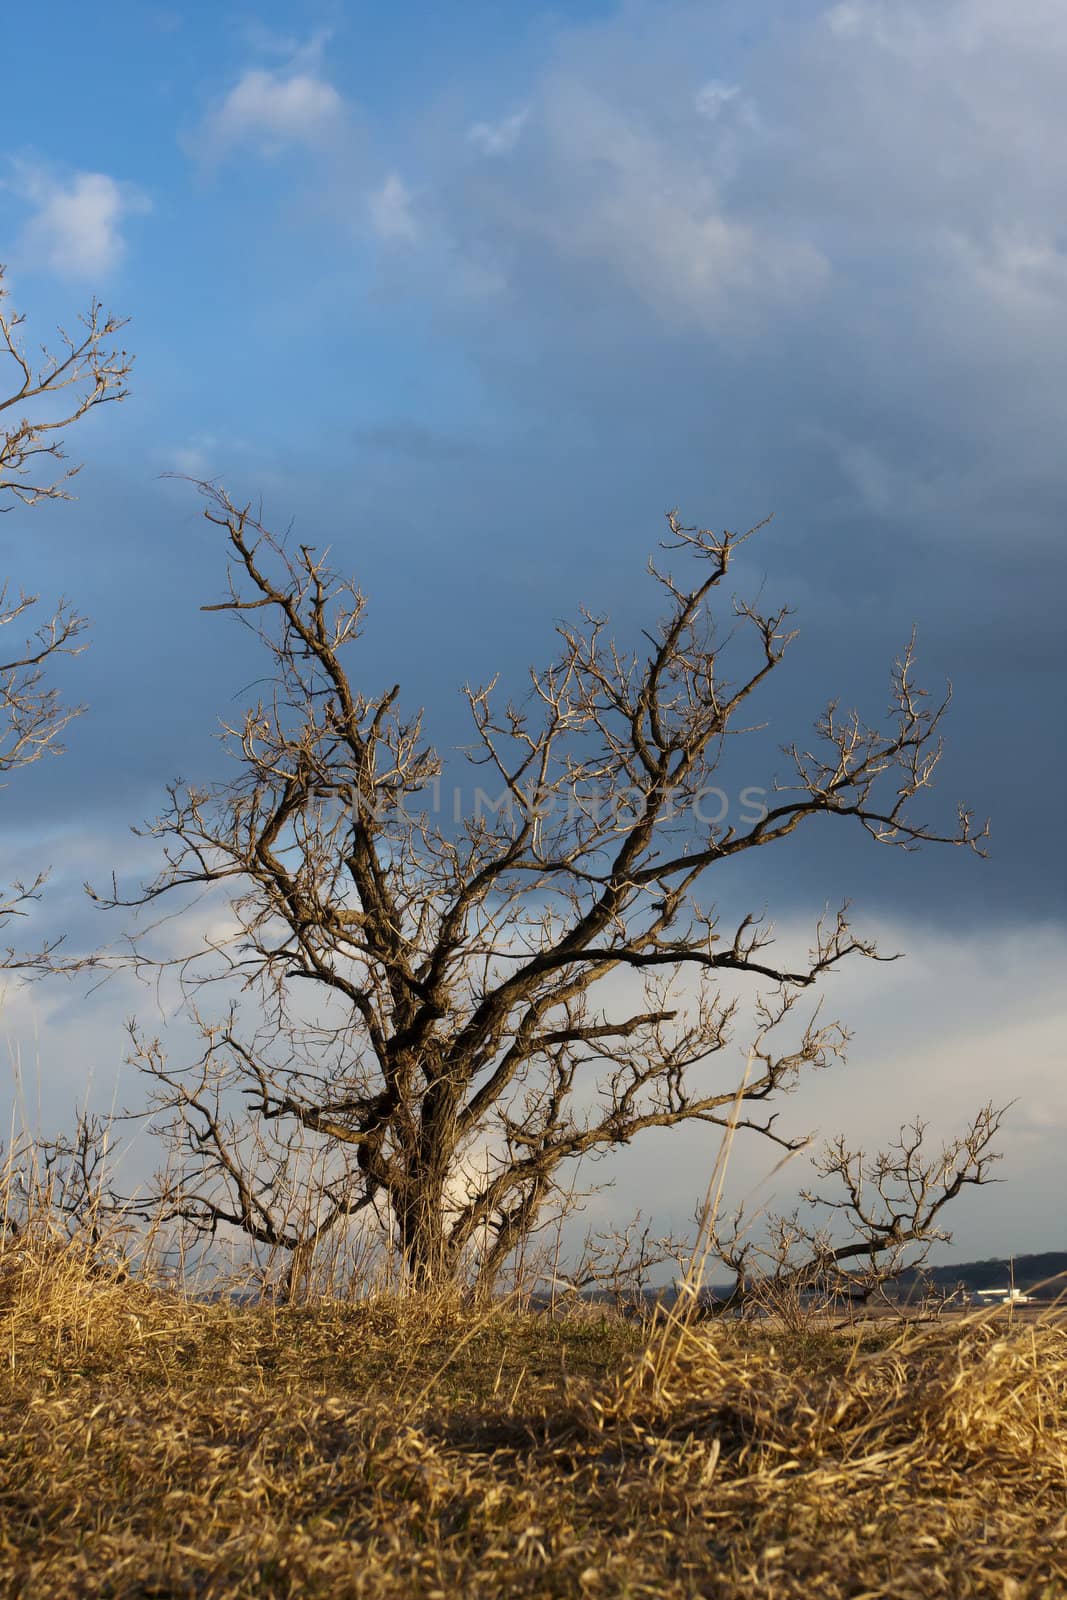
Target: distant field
150,1446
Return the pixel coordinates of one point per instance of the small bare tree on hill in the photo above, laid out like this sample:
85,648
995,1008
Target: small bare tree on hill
889,1210
469,1036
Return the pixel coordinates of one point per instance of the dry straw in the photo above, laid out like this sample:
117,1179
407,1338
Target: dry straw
155,1444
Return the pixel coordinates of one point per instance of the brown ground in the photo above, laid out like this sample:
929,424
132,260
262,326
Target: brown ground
154,1447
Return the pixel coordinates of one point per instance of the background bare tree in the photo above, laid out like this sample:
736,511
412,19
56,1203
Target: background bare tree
65,1183
283,1188
43,397
888,1209
616,1265
457,1011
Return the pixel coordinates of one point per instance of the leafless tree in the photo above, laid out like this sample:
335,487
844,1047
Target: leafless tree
616,1263
85,372
43,398
285,1190
66,1180
474,1028
888,1210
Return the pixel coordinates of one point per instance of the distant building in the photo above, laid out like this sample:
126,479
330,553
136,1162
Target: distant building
1007,1297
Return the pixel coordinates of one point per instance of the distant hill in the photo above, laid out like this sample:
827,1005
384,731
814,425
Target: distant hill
1026,1272
999,1272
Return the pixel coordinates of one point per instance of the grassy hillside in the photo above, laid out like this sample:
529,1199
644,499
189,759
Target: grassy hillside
153,1446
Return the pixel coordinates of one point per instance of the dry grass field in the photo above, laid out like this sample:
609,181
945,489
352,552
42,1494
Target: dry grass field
152,1445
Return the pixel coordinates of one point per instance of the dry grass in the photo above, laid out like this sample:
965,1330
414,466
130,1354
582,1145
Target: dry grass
154,1446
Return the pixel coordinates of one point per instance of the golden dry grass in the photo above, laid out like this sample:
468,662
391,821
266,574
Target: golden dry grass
156,1446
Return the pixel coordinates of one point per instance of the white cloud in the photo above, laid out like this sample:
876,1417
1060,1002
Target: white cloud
195,460
272,110
844,18
616,193
298,54
497,138
714,97
704,207
1022,272
876,481
76,228
204,456
718,218
390,211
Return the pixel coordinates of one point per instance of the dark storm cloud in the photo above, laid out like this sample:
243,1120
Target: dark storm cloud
808,262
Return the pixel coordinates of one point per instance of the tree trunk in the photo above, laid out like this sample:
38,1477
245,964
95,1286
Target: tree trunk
296,1283
423,1242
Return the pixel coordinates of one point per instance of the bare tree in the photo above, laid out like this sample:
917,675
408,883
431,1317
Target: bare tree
44,398
615,1264
64,1183
888,1210
285,1190
535,982
85,372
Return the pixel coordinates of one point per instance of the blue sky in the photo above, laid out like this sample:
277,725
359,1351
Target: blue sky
475,293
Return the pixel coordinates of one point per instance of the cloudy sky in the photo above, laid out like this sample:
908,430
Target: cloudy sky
475,293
